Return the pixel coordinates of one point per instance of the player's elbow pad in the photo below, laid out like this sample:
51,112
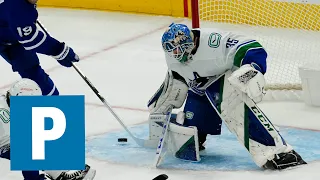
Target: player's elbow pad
31,37
172,92
35,38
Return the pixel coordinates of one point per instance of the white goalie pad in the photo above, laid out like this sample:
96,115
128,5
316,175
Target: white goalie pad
4,125
156,122
257,133
182,141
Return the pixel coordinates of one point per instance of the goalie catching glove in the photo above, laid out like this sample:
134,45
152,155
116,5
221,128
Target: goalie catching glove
172,92
250,81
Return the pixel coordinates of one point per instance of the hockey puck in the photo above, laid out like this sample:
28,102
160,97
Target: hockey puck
122,139
161,177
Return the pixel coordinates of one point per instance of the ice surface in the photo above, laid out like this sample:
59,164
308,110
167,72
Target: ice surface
121,55
223,152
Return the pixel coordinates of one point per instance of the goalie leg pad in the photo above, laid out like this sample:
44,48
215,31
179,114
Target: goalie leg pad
183,142
251,127
156,123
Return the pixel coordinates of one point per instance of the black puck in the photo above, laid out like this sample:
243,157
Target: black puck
122,139
161,177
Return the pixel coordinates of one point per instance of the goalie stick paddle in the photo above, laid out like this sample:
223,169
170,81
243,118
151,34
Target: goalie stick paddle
162,140
140,142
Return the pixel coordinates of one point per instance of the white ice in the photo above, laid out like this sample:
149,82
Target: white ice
122,56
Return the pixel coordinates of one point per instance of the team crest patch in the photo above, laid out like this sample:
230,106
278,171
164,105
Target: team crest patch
214,40
4,115
189,115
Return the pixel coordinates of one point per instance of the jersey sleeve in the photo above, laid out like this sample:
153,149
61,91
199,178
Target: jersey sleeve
22,18
247,51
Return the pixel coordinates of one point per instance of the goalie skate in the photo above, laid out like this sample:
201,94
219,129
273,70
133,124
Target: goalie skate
284,160
87,174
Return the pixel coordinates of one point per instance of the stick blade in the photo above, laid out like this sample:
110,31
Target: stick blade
161,177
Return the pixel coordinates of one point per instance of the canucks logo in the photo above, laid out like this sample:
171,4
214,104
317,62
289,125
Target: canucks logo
189,115
214,40
4,115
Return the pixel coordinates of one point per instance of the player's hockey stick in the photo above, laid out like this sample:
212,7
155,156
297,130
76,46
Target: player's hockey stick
163,138
141,142
161,177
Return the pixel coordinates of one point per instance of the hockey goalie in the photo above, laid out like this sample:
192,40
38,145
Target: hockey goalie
219,76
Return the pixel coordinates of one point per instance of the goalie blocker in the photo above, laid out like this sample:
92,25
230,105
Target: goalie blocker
239,112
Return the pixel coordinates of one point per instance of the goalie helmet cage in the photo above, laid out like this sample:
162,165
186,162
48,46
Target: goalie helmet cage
288,30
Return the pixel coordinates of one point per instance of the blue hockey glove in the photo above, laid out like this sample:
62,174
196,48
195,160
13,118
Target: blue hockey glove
67,56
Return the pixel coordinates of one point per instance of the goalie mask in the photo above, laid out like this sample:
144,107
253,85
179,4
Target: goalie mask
177,42
23,87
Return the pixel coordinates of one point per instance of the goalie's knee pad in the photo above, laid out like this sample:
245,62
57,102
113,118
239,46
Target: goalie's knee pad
199,112
172,92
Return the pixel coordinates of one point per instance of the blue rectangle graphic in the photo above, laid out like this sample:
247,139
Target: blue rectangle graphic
47,132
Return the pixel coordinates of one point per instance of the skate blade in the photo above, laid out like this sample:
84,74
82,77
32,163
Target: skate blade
90,174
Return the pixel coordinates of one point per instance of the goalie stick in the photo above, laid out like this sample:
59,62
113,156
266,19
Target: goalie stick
163,138
141,142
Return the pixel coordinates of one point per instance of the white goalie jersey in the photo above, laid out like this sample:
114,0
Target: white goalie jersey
228,70
4,122
217,52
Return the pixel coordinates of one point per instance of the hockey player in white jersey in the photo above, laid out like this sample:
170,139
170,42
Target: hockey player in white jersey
220,77
27,87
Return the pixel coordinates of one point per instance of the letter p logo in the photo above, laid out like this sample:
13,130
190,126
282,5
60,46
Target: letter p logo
39,134
34,146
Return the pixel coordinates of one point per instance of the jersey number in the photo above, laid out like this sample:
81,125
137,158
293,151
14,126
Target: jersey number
26,31
1,1
231,42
